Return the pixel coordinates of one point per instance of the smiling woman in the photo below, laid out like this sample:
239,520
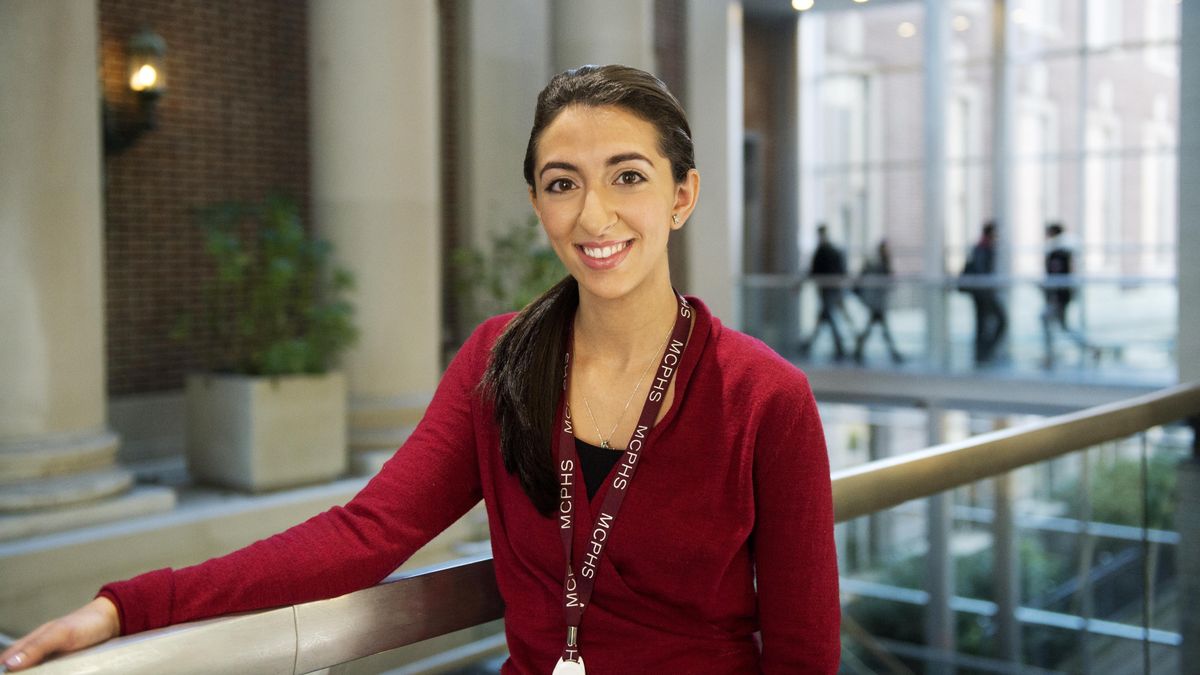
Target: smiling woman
606,195
706,541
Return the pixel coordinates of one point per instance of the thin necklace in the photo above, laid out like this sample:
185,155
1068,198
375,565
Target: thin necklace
604,442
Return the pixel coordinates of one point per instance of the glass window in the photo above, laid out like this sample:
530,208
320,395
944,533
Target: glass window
863,85
1104,22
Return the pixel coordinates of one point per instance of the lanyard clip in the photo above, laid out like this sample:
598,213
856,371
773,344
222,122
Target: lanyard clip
572,635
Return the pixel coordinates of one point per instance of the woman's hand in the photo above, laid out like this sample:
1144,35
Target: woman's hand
91,624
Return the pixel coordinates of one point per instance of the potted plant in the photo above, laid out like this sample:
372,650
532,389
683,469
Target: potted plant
270,412
517,267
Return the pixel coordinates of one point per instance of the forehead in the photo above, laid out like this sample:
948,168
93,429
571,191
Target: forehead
582,133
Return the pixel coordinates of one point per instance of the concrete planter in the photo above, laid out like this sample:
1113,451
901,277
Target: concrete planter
266,433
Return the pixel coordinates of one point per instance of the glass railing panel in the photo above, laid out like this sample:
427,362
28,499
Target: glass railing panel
1089,579
1113,328
856,434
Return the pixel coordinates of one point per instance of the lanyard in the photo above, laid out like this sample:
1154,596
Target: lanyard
577,589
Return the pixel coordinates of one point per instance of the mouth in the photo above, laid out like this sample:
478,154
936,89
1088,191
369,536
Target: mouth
607,251
604,256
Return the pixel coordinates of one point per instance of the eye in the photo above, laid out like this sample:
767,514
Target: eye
630,177
559,185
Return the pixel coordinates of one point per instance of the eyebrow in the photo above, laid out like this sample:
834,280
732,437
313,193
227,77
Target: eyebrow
612,161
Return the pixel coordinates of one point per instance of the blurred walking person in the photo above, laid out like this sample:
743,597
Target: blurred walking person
828,270
872,289
1059,290
978,277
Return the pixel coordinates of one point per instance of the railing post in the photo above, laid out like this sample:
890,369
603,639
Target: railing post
939,618
939,582
1006,566
1087,550
1187,520
879,438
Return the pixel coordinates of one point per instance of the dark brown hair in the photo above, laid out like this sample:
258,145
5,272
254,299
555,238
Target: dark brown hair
524,375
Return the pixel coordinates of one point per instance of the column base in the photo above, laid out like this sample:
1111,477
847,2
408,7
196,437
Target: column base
59,482
57,455
58,491
140,501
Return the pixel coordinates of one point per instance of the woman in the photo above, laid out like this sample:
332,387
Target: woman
707,536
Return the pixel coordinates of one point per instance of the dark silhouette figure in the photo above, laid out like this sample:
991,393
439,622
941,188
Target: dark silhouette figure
872,290
1059,291
828,269
978,282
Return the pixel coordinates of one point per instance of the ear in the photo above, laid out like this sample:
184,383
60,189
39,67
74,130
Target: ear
687,192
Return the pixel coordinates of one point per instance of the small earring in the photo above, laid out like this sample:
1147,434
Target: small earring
675,218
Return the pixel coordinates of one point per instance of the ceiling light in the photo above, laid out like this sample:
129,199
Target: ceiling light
906,29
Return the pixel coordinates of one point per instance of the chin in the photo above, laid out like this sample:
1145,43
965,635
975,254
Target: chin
612,289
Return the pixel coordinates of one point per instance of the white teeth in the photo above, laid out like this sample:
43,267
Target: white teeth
604,252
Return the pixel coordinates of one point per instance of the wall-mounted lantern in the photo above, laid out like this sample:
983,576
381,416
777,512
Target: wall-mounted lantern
147,77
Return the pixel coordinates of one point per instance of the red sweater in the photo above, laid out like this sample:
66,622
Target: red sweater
732,489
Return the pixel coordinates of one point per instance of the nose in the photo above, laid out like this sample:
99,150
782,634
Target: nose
597,215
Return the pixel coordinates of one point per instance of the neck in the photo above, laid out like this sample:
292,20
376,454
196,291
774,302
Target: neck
622,332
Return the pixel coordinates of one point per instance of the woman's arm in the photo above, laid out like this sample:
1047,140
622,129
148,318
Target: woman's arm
429,483
795,557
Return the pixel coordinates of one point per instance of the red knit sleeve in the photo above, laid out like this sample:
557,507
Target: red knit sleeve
795,556
432,480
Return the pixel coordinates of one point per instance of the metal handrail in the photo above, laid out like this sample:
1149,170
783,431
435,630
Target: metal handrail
404,609
882,484
409,607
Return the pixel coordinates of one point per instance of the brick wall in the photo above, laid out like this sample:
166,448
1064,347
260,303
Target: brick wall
232,125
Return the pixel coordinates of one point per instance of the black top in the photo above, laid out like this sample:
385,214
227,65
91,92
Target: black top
596,464
827,260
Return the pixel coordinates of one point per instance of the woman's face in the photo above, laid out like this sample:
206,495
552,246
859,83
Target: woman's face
605,195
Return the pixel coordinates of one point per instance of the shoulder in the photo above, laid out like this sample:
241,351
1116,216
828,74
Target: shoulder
748,367
765,397
478,346
491,328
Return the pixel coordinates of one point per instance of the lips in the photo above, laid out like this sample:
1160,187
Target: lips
604,255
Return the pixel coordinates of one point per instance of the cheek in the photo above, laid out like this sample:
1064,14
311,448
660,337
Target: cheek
558,212
651,217
554,223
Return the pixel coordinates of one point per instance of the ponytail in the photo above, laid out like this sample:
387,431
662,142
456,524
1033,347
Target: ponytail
524,381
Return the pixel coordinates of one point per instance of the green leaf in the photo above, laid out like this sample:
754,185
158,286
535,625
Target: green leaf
274,305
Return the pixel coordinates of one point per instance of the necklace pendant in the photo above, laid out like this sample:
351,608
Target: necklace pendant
604,444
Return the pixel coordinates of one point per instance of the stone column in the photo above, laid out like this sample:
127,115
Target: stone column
373,97
615,31
502,62
55,446
713,235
